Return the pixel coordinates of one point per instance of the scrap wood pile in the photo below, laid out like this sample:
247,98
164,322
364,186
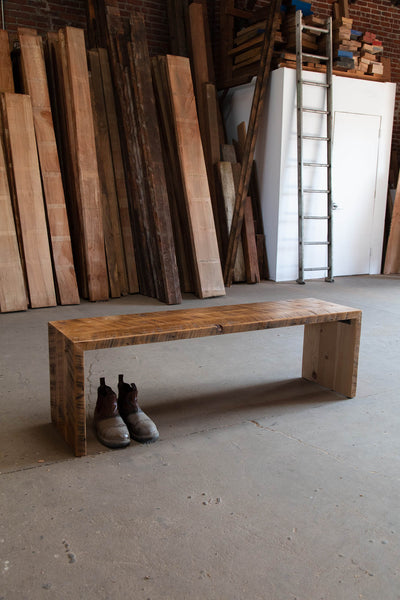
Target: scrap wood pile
110,175
355,52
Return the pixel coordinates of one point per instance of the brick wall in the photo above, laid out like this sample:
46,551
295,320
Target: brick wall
381,17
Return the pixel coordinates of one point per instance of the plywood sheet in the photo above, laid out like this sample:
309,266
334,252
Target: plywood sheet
196,189
20,135
35,84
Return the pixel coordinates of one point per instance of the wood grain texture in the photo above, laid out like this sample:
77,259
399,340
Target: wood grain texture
158,205
6,74
117,276
330,350
12,285
209,281
20,136
228,189
119,175
88,185
392,257
35,84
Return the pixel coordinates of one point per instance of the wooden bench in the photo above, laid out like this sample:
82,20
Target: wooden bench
330,347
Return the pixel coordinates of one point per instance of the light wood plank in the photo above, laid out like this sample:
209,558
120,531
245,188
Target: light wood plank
197,193
88,184
12,285
20,135
35,84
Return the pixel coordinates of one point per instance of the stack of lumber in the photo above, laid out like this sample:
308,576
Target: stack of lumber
36,267
345,50
310,39
371,55
198,256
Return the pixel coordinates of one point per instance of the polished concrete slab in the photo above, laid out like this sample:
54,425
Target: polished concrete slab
262,485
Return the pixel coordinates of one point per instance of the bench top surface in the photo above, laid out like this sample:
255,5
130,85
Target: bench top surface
139,328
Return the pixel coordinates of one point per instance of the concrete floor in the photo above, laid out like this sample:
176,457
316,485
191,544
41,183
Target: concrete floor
262,486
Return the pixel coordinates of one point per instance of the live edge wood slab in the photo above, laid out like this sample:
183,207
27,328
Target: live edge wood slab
330,347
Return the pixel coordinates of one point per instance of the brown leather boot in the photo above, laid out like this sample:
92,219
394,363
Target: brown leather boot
141,427
110,428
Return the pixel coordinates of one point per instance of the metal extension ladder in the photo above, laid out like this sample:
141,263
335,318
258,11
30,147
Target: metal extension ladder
303,139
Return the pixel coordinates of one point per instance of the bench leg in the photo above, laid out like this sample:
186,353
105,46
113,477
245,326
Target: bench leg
330,355
67,392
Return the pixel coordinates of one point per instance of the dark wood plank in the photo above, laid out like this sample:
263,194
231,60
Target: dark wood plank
119,174
153,161
111,225
6,73
250,244
392,258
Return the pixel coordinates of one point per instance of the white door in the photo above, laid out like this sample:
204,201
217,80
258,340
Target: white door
354,172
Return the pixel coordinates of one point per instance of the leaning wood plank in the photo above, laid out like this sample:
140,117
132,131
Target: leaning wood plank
119,175
250,244
88,185
251,137
229,194
35,84
12,285
202,229
392,258
17,114
112,230
142,86
60,93
6,73
176,196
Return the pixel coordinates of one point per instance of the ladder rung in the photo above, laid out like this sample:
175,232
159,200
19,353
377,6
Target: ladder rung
314,164
315,83
316,269
313,28
315,137
310,191
317,218
314,110
306,55
316,243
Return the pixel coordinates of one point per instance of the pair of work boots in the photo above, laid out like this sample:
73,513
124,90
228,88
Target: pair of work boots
118,420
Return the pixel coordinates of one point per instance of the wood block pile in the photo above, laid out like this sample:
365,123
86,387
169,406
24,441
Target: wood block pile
355,53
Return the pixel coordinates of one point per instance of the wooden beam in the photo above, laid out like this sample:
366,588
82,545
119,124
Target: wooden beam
20,136
83,148
13,295
35,84
203,236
